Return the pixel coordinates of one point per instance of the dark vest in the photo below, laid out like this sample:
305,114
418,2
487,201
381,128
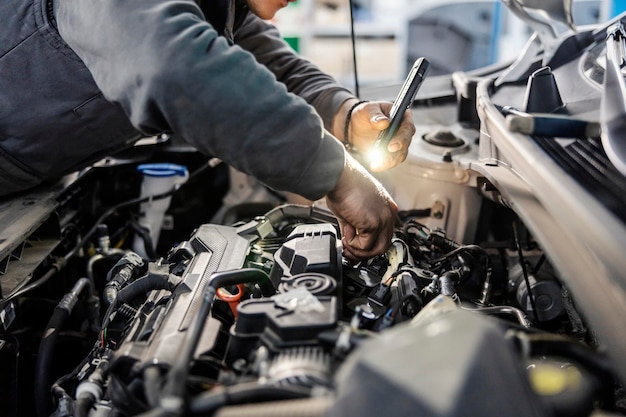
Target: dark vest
53,117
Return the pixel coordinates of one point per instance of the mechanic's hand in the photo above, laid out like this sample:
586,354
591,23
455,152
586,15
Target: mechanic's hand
367,121
366,212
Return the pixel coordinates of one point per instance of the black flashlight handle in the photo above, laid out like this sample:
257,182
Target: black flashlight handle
403,100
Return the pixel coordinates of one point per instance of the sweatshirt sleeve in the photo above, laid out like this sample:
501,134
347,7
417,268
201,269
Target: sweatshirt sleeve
301,76
170,71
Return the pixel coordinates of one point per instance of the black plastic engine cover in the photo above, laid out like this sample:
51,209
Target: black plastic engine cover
457,365
308,248
214,248
264,321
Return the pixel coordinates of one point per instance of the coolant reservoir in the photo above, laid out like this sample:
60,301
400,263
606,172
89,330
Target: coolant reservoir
158,178
435,176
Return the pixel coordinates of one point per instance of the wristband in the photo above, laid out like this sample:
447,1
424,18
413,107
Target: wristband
346,138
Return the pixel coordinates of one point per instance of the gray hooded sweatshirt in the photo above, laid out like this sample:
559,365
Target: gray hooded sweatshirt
84,79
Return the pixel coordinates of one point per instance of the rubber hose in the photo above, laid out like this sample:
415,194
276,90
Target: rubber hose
142,286
174,390
309,407
83,405
243,393
152,385
43,380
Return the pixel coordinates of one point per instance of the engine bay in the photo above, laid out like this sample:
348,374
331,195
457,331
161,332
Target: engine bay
265,316
501,293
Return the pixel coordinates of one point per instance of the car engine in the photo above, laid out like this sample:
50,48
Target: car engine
265,316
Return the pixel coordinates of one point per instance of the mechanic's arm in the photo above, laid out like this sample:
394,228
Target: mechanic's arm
170,71
331,100
365,211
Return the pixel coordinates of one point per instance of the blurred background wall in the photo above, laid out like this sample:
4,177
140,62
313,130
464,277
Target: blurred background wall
389,34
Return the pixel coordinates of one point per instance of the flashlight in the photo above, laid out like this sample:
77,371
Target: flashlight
400,105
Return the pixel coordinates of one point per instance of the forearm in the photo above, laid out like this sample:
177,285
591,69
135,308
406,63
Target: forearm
299,75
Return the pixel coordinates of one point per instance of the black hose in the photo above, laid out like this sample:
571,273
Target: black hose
83,405
57,389
448,283
152,384
458,250
135,289
287,213
43,380
522,263
178,374
42,280
243,276
305,407
124,396
419,213
144,285
43,400
172,399
549,344
208,403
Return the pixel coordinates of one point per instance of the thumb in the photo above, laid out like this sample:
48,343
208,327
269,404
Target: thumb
349,232
379,120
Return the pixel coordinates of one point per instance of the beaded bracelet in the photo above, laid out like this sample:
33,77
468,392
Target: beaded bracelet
346,138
